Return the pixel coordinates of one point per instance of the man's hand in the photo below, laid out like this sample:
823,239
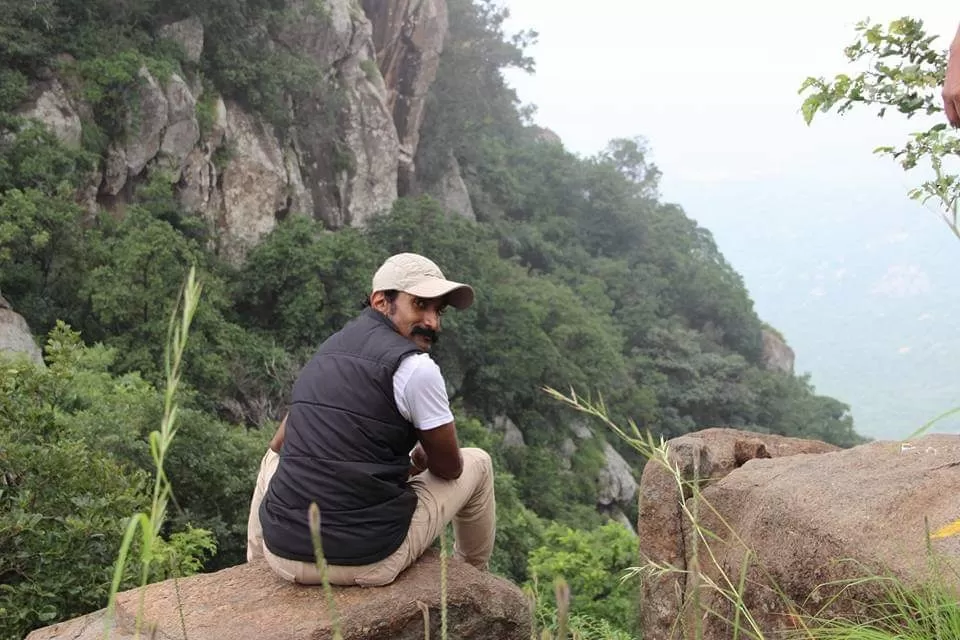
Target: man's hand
418,460
951,83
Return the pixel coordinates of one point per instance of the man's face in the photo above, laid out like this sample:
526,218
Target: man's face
415,318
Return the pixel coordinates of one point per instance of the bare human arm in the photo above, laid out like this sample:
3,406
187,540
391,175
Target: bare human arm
438,451
277,440
951,83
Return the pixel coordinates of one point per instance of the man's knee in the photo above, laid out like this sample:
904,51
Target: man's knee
479,458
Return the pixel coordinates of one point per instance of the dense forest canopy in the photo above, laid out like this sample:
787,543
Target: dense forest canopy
585,279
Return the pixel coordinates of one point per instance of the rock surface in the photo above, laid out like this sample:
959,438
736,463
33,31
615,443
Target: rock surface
346,134
249,601
776,354
512,436
408,36
253,185
15,335
709,454
616,485
188,34
147,126
615,481
451,191
808,513
811,520
51,106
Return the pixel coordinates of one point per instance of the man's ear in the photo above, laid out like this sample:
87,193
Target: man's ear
378,301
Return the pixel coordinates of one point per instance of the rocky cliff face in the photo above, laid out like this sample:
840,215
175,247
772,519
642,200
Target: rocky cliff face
355,135
408,36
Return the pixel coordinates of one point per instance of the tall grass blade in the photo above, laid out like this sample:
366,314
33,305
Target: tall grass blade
314,520
150,524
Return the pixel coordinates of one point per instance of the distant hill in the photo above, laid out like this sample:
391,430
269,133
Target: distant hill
863,283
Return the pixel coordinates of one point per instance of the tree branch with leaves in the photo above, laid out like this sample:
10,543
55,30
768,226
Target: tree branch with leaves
904,73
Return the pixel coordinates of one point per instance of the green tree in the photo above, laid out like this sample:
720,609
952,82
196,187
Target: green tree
904,73
302,283
69,481
471,111
592,562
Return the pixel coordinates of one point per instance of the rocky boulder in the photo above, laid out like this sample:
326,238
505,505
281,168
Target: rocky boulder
616,484
188,34
51,105
257,186
708,455
249,601
181,131
798,515
146,127
15,335
512,436
451,191
776,354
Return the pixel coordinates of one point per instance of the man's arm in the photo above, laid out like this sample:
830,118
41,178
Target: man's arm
951,83
422,399
277,440
440,452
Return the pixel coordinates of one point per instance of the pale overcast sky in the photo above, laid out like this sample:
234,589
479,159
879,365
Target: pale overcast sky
713,88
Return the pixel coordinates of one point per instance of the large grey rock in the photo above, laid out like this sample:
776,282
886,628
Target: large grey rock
188,34
299,198
146,124
253,185
512,436
804,524
114,170
249,601
708,456
15,336
198,190
370,188
408,36
615,482
182,131
776,354
451,191
51,106
796,515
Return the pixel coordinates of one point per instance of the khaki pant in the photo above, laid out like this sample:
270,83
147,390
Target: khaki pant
468,501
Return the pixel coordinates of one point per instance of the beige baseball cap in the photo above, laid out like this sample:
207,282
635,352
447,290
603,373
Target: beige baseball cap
421,277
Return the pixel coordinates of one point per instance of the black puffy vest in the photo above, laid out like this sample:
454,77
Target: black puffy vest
346,447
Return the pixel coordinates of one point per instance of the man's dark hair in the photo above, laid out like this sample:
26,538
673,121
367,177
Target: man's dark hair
389,294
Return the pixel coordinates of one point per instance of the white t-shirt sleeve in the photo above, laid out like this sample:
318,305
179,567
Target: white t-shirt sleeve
421,393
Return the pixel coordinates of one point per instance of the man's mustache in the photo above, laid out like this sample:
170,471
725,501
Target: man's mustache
426,332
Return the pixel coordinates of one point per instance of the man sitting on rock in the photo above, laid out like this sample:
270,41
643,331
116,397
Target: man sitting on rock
370,438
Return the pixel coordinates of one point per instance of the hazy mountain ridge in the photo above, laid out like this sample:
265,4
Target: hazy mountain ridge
860,282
